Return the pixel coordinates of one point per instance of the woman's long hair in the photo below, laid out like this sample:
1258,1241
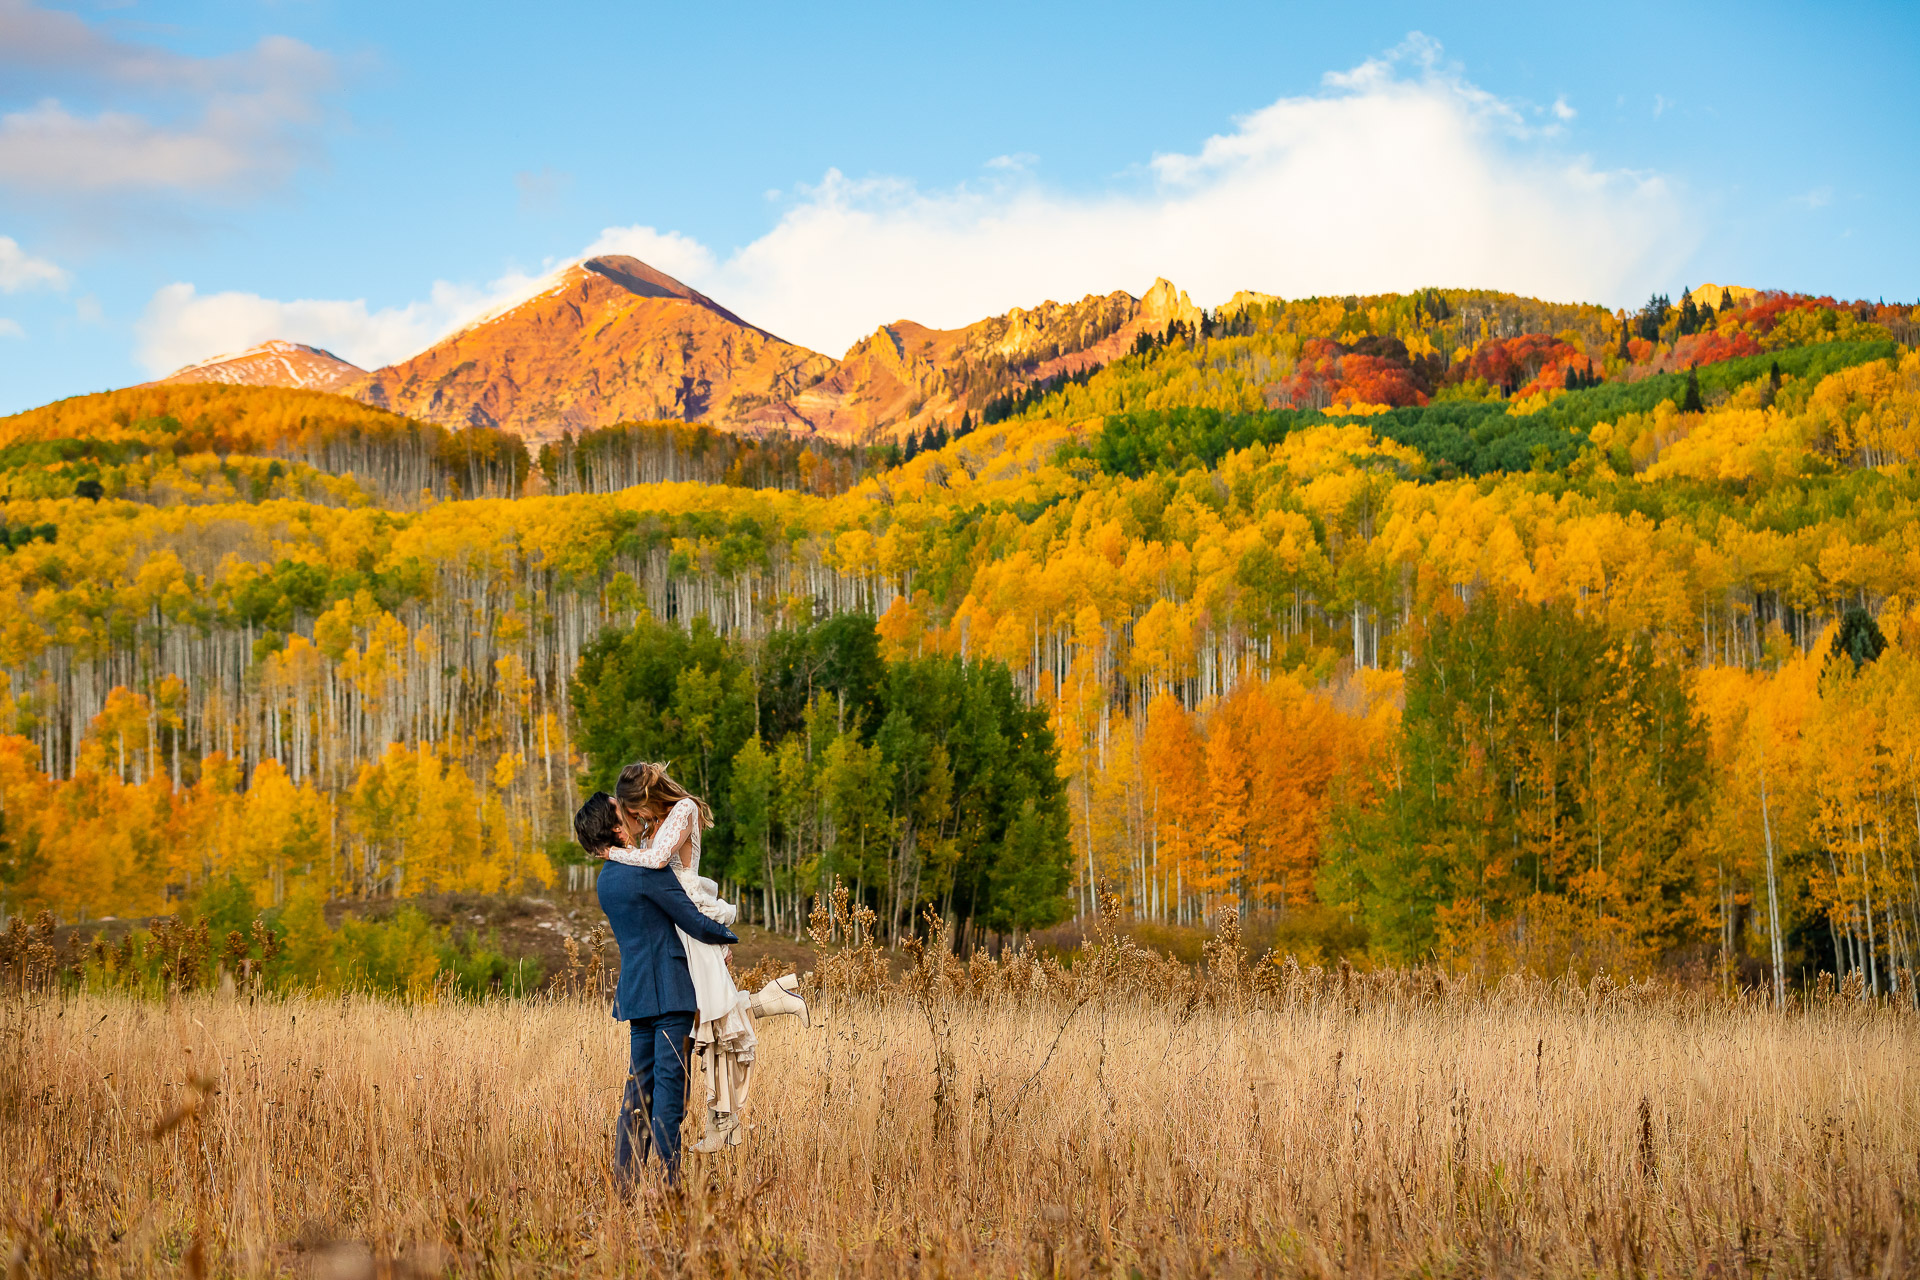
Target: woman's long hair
646,791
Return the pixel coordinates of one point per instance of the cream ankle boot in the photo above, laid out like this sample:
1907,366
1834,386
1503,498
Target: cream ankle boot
722,1130
782,995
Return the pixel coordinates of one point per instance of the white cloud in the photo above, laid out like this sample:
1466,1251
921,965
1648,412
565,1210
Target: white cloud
52,42
156,120
21,270
1562,110
50,149
11,328
1398,174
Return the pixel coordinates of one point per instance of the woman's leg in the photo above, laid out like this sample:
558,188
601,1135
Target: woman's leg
726,1096
782,995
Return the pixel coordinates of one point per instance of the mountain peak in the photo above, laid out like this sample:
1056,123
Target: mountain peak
602,340
627,274
274,363
636,277
1165,304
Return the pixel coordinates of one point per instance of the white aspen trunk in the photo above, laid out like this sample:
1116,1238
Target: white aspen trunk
1775,944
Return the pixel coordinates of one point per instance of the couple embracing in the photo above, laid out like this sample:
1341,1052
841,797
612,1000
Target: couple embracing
676,993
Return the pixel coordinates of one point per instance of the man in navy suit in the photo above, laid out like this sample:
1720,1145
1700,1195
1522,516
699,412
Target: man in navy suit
655,996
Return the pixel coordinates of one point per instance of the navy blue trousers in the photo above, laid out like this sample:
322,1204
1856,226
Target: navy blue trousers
656,1094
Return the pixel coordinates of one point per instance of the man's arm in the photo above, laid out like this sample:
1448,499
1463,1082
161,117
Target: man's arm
664,888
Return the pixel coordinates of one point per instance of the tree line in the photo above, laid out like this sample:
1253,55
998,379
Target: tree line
609,459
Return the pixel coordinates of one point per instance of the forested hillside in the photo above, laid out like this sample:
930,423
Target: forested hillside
1445,625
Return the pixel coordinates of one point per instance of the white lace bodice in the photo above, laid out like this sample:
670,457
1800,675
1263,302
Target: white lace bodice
682,821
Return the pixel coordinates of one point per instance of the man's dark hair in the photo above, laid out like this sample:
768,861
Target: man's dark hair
596,825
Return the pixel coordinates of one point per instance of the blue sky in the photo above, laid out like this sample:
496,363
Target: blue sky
181,179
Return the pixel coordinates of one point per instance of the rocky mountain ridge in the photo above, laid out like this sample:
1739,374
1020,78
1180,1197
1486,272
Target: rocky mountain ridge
906,376
611,339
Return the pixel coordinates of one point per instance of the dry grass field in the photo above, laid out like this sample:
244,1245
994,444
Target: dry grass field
1006,1120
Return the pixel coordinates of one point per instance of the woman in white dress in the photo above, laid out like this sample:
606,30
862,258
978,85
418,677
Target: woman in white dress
661,824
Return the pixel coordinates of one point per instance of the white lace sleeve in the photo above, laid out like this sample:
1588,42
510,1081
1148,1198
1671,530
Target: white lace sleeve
681,823
638,857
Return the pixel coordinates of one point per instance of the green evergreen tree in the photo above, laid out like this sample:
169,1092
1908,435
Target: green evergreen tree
1691,402
750,796
1859,637
1653,316
656,692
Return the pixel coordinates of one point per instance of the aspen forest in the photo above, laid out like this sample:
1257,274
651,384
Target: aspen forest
1449,627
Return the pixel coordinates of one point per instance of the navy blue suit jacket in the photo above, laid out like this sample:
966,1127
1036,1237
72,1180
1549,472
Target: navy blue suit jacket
643,904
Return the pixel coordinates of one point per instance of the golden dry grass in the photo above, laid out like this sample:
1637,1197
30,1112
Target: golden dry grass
1520,1131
